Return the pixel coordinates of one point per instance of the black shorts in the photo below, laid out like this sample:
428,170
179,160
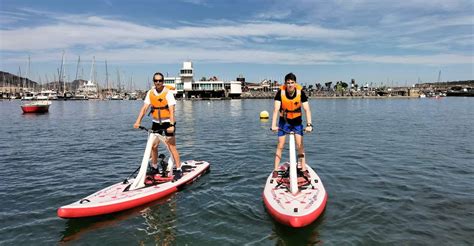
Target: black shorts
160,128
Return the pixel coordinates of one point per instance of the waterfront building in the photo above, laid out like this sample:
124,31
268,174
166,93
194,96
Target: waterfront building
187,87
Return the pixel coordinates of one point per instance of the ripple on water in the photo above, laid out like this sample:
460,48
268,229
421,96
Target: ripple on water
396,172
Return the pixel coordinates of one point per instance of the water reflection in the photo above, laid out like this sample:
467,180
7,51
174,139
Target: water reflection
356,144
235,108
159,223
29,116
309,235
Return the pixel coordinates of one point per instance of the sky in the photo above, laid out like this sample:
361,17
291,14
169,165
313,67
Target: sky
388,42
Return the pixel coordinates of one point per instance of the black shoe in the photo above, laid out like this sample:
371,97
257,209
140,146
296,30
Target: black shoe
306,174
178,174
152,171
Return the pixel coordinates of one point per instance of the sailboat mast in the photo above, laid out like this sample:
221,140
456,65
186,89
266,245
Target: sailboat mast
118,80
47,82
92,69
54,81
77,67
3,88
28,72
107,77
60,72
66,77
20,79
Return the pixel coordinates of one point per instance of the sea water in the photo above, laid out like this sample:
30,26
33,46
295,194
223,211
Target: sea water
397,171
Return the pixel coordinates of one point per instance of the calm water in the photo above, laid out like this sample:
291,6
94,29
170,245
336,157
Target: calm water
397,171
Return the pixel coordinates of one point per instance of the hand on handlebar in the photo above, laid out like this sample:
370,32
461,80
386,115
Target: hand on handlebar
170,129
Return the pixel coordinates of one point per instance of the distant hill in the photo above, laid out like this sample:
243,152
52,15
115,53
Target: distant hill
16,81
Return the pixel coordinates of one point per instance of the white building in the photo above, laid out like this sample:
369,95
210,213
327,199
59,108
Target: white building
187,87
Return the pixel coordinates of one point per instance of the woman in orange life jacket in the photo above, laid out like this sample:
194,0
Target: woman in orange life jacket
162,102
288,103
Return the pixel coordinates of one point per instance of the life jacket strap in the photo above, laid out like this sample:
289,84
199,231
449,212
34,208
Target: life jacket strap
160,108
291,111
152,109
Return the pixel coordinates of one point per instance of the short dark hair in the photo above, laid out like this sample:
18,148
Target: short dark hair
290,76
158,73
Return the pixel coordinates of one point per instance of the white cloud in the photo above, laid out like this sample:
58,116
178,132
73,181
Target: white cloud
274,14
8,17
196,2
426,23
75,30
438,59
439,44
263,42
176,54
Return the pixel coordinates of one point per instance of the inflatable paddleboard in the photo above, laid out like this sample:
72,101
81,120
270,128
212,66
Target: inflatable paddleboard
119,197
299,209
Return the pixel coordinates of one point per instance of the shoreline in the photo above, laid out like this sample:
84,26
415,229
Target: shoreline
341,97
363,97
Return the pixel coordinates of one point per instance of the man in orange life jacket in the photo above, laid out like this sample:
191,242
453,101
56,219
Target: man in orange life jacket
162,102
289,100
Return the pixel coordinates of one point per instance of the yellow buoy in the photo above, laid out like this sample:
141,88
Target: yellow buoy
264,115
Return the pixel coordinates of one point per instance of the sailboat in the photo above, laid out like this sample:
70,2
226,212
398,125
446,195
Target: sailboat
35,105
89,89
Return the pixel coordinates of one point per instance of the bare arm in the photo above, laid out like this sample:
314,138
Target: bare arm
276,113
172,120
140,115
307,112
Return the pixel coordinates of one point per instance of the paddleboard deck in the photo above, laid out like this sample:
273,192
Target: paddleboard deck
119,197
296,210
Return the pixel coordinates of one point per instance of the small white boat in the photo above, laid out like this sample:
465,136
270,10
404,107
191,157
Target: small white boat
35,106
28,96
47,95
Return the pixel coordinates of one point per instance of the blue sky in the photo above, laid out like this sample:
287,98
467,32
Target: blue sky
379,41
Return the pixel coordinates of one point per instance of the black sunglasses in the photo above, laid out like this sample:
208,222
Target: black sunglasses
158,80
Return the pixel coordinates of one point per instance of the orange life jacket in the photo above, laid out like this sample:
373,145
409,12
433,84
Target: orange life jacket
290,108
159,105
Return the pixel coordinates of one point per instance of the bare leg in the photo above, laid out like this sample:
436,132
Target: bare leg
279,150
300,147
154,154
174,152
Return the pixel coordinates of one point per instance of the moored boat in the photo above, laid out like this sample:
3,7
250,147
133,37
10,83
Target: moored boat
28,96
40,106
47,95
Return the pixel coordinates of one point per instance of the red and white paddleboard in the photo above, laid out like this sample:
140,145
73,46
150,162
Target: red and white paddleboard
299,209
120,197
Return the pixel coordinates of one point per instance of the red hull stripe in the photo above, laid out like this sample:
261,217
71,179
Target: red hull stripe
78,212
99,210
295,221
34,109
